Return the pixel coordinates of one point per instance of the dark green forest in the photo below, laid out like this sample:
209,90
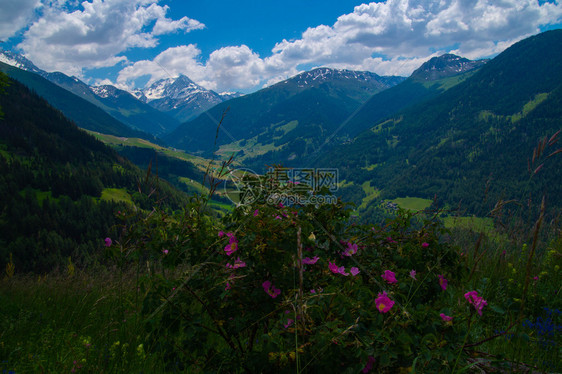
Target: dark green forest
52,175
474,143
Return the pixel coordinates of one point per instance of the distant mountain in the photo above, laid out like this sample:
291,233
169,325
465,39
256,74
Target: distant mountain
446,65
57,185
429,80
179,97
117,103
474,142
230,95
296,114
17,60
82,112
125,107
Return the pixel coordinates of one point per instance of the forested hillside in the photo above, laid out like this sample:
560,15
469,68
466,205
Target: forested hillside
59,187
82,112
474,143
298,113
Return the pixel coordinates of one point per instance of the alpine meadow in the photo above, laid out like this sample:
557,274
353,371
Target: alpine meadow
317,217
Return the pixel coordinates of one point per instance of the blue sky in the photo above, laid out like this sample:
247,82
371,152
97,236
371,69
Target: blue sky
245,45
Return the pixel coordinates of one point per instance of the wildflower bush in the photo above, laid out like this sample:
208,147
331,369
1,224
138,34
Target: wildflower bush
301,288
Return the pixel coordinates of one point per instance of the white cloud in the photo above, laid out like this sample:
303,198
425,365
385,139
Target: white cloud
393,37
229,67
170,63
406,32
16,14
96,35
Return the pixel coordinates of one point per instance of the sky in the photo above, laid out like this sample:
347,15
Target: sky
245,45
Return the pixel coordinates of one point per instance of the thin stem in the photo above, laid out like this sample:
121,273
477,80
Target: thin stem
530,258
463,343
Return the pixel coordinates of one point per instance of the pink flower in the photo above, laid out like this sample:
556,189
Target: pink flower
108,242
341,270
354,271
313,291
413,275
445,318
389,276
425,244
228,287
278,217
231,248
369,366
478,301
389,239
337,270
310,261
221,234
289,323
256,212
232,245
270,289
351,250
237,264
165,251
442,282
383,303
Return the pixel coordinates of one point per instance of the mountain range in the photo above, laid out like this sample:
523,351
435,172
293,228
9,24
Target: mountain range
306,106
156,110
180,97
456,129
474,143
85,114
429,80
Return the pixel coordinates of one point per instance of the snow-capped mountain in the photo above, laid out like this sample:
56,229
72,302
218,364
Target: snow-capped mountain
17,60
444,66
118,103
180,97
321,75
311,105
230,95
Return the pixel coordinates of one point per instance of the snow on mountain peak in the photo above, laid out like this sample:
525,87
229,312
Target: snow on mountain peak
19,61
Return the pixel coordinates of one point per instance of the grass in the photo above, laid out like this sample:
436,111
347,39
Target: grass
371,192
196,186
477,224
117,195
80,323
412,203
528,107
251,149
90,321
486,115
115,141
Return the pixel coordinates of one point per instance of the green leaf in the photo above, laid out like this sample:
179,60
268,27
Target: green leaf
497,309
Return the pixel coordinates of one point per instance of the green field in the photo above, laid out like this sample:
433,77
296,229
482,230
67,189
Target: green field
412,203
371,192
115,141
117,195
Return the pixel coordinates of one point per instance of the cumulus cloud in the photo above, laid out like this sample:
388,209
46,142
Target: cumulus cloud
16,14
97,34
391,37
228,67
410,30
170,63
